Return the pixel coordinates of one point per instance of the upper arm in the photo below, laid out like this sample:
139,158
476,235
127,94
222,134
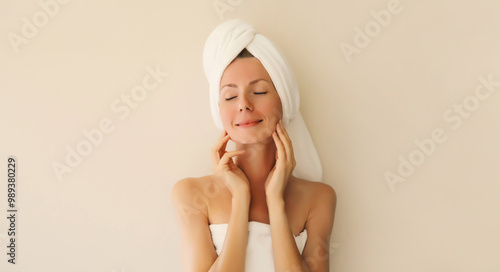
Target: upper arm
197,250
319,227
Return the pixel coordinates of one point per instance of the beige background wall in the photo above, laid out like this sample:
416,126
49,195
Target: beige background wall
371,90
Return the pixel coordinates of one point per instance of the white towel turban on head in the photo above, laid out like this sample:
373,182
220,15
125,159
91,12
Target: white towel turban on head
222,46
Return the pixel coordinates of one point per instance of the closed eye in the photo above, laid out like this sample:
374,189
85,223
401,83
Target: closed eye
231,98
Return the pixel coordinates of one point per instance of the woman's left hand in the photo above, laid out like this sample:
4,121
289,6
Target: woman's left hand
285,163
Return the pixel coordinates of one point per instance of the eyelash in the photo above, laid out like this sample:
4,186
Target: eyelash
227,99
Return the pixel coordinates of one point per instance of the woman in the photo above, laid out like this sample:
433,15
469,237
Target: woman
252,214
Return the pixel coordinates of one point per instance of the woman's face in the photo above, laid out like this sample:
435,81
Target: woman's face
249,105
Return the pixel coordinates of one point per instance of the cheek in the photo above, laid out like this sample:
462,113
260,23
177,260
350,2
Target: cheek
273,109
226,117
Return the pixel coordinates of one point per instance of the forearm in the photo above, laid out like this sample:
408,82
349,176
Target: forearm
285,253
232,256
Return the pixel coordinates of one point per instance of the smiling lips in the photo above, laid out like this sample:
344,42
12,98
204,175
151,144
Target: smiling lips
249,123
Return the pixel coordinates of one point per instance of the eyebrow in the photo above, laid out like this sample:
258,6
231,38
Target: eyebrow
251,83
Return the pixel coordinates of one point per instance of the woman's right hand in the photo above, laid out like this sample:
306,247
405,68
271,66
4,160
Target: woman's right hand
225,170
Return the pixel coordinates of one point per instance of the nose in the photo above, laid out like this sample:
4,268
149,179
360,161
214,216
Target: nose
245,104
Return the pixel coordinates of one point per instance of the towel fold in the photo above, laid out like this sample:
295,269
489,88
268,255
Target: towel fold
222,46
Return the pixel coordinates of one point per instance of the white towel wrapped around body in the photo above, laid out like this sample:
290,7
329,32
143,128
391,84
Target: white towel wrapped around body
222,46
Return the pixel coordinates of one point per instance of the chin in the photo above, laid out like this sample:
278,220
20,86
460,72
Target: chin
242,137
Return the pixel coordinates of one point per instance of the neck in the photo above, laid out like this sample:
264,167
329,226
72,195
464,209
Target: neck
256,163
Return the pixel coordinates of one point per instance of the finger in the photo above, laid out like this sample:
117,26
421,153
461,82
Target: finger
222,149
226,163
276,139
220,141
216,151
228,155
280,150
283,133
219,148
287,143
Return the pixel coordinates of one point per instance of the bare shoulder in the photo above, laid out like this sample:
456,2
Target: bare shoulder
189,191
321,201
320,198
189,186
314,189
183,188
